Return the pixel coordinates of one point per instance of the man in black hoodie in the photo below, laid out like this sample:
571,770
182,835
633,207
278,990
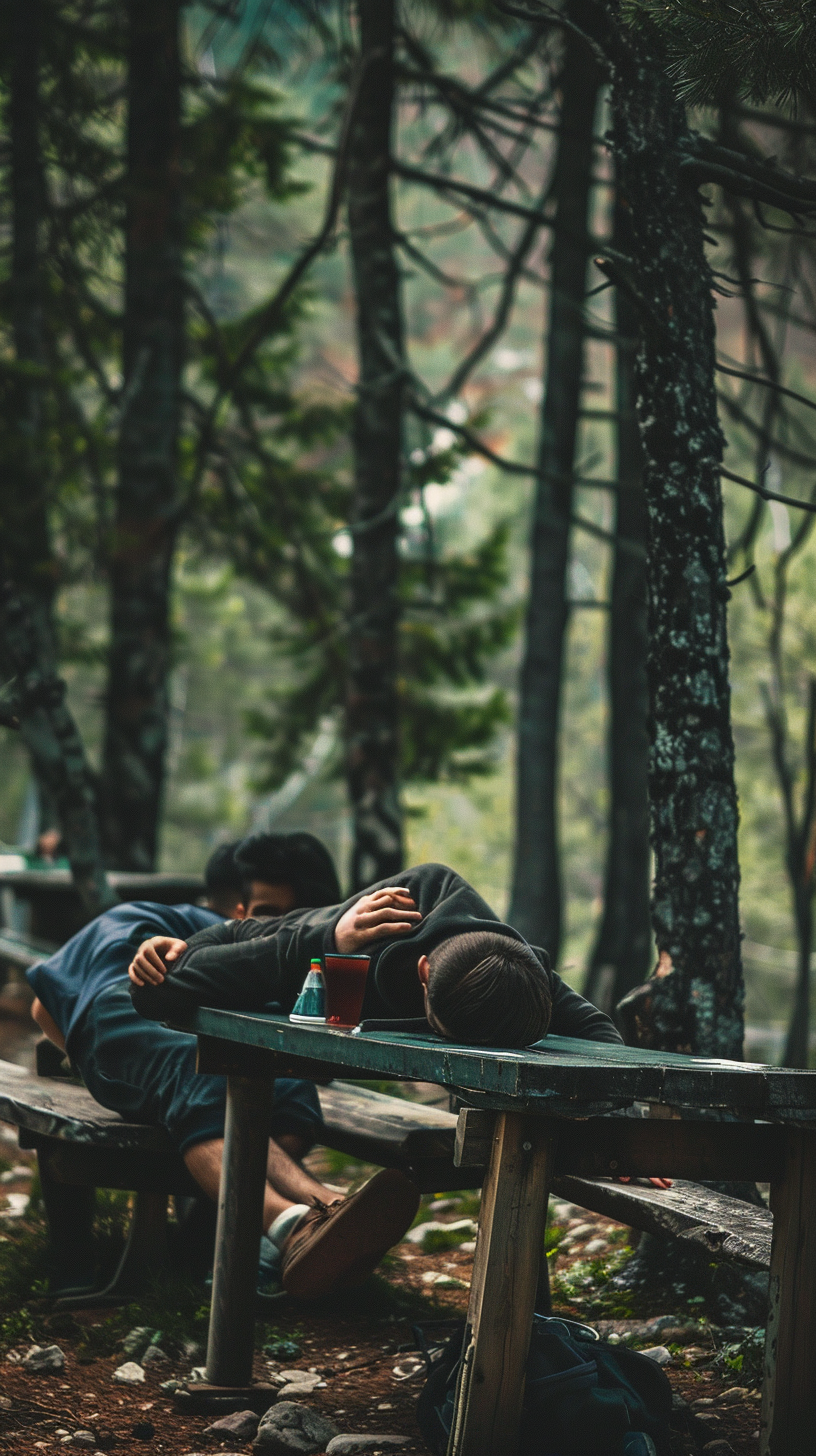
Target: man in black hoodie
438,952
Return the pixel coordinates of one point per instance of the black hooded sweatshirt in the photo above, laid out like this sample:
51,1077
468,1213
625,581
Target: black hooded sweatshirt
254,965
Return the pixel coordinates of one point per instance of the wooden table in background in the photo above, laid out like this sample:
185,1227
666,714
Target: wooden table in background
555,1108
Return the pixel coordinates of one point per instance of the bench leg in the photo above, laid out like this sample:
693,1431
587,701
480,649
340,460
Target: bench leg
789,1388
145,1256
70,1214
503,1292
238,1234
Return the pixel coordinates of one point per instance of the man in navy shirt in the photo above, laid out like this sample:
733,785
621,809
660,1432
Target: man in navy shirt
145,1071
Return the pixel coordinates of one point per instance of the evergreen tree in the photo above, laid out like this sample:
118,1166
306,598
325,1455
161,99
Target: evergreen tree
535,907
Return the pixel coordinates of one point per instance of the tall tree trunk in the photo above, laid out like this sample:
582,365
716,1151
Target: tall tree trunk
697,996
27,654
372,708
620,956
147,503
26,545
796,1042
535,907
55,746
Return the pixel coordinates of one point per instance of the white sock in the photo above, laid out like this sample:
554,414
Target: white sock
285,1223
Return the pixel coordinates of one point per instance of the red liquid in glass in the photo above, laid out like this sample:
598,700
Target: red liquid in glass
345,988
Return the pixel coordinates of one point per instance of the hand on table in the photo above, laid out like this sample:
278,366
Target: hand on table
149,965
390,911
655,1182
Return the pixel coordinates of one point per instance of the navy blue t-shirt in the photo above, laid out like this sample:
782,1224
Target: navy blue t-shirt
100,953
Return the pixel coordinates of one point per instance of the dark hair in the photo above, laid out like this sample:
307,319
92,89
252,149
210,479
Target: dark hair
487,989
222,877
299,860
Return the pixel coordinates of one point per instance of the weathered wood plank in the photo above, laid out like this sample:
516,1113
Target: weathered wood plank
788,1422
559,1076
503,1288
642,1147
57,1108
726,1228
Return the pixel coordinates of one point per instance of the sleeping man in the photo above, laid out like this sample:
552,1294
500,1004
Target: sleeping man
438,953
147,1073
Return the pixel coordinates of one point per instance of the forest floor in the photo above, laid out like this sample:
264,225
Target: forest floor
361,1347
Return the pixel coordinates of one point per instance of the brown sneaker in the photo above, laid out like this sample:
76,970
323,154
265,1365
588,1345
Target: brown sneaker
337,1245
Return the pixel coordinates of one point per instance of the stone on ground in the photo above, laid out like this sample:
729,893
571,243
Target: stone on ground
352,1445
289,1429
129,1374
241,1424
658,1353
44,1360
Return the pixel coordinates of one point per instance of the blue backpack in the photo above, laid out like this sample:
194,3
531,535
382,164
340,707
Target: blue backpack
583,1397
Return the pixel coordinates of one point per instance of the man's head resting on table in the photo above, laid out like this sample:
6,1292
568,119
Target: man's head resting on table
270,874
480,987
485,989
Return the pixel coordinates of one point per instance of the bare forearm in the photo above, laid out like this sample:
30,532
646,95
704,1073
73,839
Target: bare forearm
47,1024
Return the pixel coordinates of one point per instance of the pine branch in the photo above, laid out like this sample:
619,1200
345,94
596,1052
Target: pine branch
503,307
774,495
704,160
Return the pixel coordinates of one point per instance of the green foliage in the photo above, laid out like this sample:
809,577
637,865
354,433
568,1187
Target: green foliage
760,49
744,1358
588,1284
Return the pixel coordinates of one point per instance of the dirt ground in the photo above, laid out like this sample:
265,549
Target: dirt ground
360,1347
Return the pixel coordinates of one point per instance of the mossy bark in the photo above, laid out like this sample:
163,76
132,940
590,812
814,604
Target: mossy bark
372,706
697,1004
32,687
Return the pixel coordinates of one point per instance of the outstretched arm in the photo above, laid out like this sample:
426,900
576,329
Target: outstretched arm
232,965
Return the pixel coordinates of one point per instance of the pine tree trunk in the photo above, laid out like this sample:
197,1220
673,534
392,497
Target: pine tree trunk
620,956
796,1043
536,907
696,999
26,545
147,501
27,653
372,708
53,742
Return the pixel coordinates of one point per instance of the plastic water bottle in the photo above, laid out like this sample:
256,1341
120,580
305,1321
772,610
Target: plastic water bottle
311,1003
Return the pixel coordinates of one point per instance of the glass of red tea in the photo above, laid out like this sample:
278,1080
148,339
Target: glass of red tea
345,977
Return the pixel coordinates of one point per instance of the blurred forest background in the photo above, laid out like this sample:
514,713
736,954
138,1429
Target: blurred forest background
261,539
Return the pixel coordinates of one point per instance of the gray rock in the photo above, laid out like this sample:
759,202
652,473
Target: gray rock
289,1429
155,1355
308,1380
44,1360
129,1374
137,1339
296,1389
84,1438
350,1445
240,1424
658,1353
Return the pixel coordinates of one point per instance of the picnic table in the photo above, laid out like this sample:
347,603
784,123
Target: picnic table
553,1109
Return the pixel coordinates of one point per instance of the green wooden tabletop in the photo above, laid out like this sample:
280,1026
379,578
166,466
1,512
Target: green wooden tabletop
561,1076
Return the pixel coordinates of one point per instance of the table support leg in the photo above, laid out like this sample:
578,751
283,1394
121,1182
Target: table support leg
238,1233
788,1426
502,1295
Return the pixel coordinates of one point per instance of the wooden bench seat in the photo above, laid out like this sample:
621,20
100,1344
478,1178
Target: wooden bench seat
80,1143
